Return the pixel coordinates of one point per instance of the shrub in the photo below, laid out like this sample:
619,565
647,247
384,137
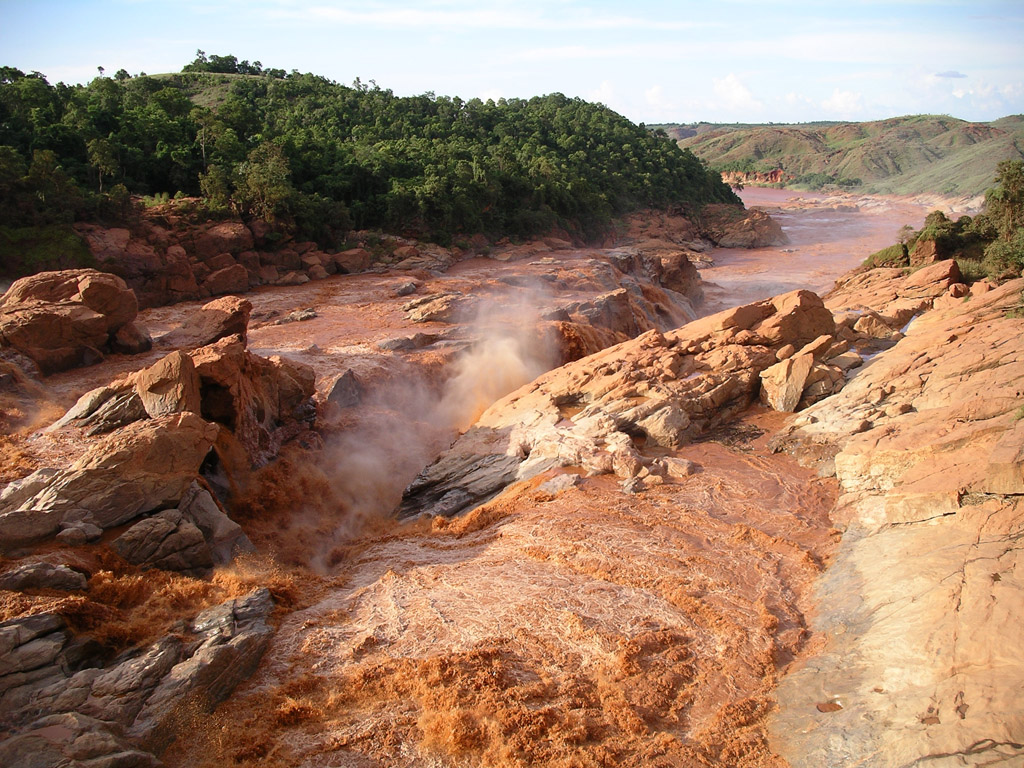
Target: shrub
893,256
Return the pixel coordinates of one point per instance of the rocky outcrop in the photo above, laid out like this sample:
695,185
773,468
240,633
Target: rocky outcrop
730,226
599,413
262,402
167,260
438,308
66,319
927,446
128,712
144,466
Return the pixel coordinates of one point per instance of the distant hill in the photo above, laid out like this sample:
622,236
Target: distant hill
919,154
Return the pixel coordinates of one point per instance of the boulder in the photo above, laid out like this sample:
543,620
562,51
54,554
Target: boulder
293,278
232,279
171,385
65,319
352,260
731,226
227,316
435,308
221,261
223,536
167,541
782,385
42,575
932,281
873,326
131,339
346,391
232,237
679,274
797,318
145,466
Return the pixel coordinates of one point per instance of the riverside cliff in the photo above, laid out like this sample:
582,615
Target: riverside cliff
640,557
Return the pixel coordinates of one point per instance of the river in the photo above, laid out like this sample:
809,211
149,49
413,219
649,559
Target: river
829,235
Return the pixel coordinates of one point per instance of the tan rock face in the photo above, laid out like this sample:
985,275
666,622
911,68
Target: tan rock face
146,465
228,316
169,386
916,612
782,385
594,413
65,319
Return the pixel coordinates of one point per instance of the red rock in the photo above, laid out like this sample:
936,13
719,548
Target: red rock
931,281
231,236
782,385
227,316
64,319
351,261
131,339
958,290
221,261
171,385
233,279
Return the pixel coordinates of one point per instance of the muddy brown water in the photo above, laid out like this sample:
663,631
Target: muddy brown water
584,628
829,235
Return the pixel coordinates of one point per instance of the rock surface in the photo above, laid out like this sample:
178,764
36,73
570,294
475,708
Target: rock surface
927,450
65,319
595,413
125,713
139,468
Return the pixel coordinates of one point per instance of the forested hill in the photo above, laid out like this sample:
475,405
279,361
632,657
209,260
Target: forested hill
920,154
323,157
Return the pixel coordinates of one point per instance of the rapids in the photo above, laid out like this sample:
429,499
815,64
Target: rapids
587,627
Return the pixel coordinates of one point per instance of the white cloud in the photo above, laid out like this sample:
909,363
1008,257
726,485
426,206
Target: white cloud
844,104
734,96
604,94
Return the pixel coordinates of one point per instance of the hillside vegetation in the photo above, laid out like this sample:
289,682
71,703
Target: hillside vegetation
318,158
921,154
989,245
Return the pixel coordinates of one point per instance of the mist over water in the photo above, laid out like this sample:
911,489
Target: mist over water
404,423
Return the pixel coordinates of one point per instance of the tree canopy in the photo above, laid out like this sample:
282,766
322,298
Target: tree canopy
304,150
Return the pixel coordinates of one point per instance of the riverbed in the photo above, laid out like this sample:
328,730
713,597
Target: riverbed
828,236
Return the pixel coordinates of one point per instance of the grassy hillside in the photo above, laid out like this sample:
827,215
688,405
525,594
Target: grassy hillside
919,154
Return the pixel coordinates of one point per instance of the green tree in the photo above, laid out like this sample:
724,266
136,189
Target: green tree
103,158
264,182
1004,205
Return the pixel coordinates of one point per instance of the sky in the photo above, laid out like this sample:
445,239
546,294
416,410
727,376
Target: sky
654,61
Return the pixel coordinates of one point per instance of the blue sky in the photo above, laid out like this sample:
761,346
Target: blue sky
651,60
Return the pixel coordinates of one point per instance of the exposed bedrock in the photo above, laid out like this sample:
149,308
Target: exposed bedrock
595,414
920,610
